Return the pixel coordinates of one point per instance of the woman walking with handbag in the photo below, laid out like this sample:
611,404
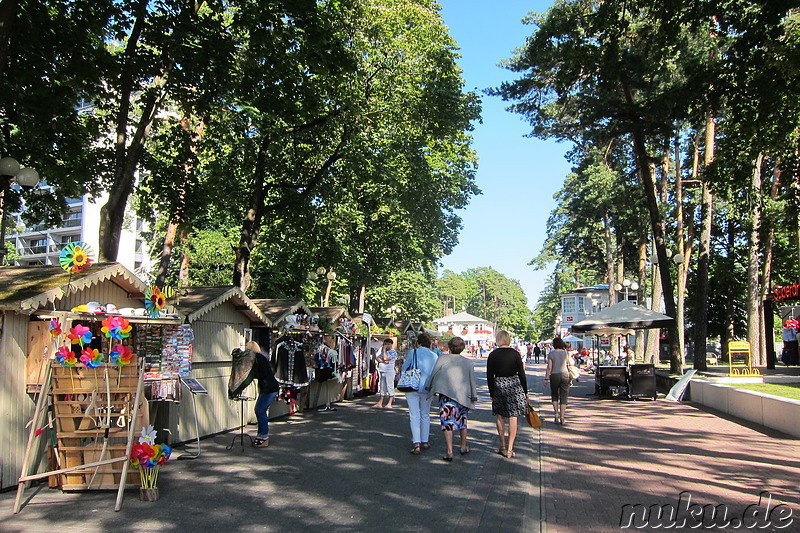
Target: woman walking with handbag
453,379
508,387
419,405
557,374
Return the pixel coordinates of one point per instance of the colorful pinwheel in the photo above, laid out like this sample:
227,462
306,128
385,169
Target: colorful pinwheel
154,301
149,456
116,327
76,257
80,335
65,357
91,358
120,355
55,327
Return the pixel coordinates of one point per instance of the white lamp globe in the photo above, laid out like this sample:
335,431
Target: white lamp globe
27,177
9,166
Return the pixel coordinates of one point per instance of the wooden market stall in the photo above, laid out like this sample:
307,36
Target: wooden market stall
72,404
221,319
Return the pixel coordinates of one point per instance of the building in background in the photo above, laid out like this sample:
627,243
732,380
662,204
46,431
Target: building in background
580,303
475,331
41,245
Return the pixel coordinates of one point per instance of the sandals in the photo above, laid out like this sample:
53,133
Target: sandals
501,451
260,443
465,451
426,446
448,457
509,454
415,450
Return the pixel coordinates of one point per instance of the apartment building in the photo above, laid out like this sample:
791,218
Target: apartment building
41,245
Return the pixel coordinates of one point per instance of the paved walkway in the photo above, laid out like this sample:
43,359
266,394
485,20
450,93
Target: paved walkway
350,470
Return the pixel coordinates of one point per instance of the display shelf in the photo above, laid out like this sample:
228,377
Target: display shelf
85,438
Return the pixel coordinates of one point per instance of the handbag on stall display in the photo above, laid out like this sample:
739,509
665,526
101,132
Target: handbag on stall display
410,377
533,417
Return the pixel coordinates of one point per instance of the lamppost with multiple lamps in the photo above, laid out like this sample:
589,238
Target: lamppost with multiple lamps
27,178
627,284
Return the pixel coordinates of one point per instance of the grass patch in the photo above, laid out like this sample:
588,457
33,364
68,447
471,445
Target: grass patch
785,390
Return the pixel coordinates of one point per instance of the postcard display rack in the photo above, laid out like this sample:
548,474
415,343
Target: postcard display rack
96,411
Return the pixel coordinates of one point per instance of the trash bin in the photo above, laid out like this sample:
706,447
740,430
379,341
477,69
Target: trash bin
607,377
642,381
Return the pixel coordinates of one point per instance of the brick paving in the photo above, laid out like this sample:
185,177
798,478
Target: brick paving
350,470
614,452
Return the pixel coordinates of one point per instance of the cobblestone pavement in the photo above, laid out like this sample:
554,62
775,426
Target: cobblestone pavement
350,470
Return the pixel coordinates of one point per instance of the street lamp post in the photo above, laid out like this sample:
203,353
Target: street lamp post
627,284
24,177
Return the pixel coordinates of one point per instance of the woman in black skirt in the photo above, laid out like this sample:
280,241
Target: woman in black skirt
508,388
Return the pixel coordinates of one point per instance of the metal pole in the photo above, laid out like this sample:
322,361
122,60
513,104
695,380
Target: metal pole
6,187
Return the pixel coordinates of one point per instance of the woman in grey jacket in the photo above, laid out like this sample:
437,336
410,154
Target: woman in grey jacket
453,379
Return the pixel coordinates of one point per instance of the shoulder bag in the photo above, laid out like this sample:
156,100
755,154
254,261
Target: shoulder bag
574,373
410,377
533,417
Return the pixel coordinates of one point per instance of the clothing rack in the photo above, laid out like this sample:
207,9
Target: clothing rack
343,336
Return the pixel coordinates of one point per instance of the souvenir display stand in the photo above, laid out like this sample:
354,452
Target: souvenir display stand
92,409
95,404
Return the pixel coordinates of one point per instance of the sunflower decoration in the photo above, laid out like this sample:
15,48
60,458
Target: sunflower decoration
76,257
154,301
116,327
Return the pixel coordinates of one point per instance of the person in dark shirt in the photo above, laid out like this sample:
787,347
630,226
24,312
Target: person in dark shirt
268,388
508,387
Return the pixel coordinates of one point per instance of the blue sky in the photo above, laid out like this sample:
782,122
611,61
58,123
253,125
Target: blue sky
504,227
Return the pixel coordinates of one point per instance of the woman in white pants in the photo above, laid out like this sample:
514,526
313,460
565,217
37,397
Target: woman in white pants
419,405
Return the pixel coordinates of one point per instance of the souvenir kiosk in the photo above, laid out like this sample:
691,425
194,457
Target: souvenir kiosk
87,340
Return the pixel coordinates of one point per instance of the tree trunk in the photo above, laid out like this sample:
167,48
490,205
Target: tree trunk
128,152
704,254
653,349
166,254
362,294
190,151
609,256
753,266
251,224
680,322
656,223
183,273
766,273
730,295
641,275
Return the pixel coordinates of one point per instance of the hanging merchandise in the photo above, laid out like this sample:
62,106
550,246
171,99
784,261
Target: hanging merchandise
167,352
289,362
